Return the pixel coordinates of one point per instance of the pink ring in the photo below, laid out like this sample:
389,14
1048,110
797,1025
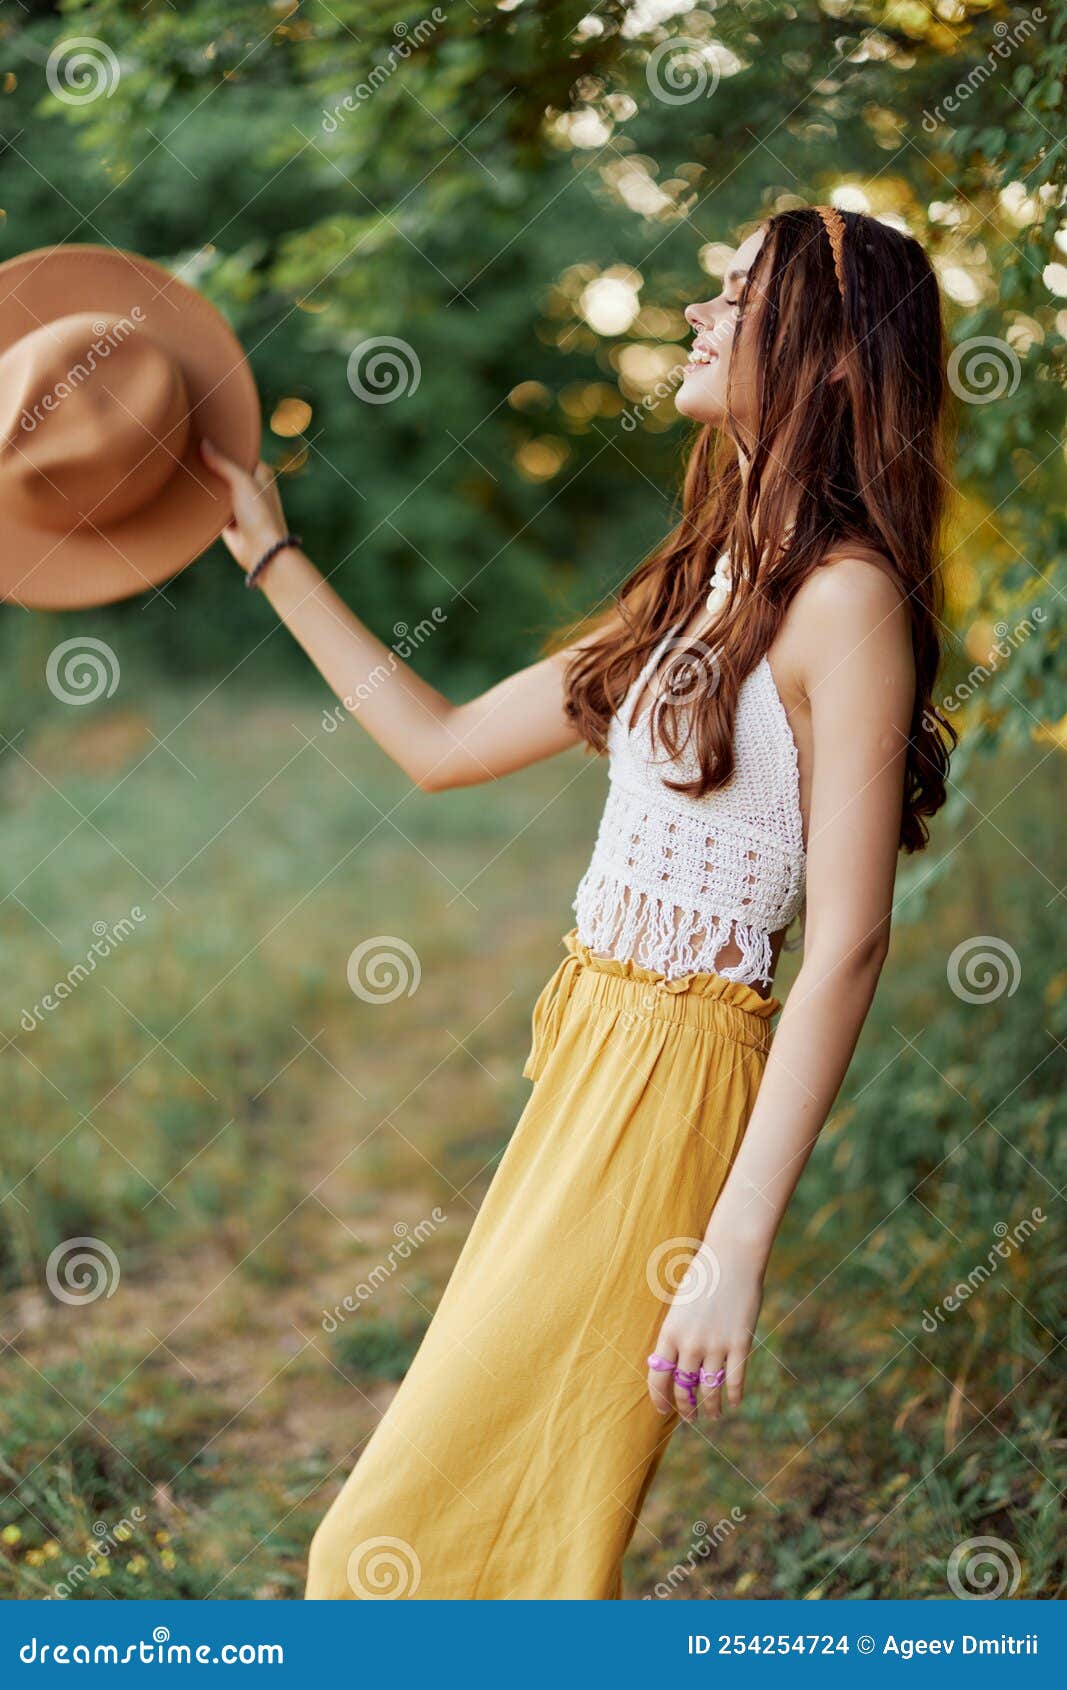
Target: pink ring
685,1379
712,1379
660,1364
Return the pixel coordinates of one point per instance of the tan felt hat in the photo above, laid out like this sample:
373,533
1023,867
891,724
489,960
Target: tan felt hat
111,373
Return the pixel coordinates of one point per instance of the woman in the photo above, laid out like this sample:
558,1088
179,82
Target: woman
770,737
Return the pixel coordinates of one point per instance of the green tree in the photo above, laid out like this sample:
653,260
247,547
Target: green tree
457,180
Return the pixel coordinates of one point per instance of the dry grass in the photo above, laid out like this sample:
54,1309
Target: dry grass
248,1137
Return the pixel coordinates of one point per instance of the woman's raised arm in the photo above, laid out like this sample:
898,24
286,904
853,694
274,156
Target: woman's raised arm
437,743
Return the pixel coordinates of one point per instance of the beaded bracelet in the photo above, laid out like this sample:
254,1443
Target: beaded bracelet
271,552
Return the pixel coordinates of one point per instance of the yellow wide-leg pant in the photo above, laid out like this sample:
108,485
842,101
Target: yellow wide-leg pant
514,1458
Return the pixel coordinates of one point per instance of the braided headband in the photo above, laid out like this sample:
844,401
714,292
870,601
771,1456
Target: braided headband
834,224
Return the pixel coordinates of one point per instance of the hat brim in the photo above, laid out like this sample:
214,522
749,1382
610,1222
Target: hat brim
45,570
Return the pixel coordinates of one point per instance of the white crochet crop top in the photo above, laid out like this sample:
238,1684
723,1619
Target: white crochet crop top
674,878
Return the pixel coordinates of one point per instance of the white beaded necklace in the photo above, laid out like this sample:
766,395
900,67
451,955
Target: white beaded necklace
719,587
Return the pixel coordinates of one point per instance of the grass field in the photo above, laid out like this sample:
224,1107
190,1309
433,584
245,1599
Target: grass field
248,1142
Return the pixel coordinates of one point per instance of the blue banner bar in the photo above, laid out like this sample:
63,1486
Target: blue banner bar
526,1643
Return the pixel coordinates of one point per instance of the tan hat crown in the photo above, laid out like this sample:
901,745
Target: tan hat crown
94,420
112,373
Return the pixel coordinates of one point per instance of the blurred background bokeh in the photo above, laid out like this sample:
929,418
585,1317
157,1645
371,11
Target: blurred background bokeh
457,242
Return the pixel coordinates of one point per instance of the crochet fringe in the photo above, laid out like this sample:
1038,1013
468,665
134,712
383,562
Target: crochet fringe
612,921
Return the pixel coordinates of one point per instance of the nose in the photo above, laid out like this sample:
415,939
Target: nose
699,316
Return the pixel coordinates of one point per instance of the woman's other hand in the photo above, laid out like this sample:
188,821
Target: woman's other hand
707,1333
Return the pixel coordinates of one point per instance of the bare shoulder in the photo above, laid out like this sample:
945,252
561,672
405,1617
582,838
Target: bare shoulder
852,610
853,586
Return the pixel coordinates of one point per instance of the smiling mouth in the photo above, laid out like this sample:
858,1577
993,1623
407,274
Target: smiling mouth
701,355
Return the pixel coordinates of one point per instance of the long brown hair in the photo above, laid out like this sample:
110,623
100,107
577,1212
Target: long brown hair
852,462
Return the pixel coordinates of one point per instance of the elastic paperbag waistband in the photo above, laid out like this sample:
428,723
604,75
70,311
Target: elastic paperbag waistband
700,1000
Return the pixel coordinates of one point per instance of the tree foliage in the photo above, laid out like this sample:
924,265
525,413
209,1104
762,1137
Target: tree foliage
526,195
468,179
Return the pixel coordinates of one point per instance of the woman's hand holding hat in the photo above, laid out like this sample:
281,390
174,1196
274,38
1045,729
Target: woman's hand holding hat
258,520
